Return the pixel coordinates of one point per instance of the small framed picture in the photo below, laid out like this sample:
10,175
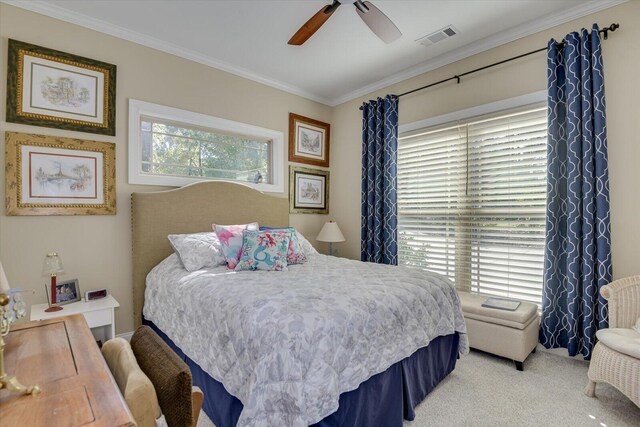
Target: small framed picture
308,190
308,141
46,87
67,292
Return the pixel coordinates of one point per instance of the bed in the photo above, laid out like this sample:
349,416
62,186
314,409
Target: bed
329,342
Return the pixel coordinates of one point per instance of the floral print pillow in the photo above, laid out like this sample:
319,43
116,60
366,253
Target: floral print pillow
264,250
295,255
231,239
198,250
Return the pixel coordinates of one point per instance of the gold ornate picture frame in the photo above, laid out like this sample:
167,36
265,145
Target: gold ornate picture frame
48,175
308,190
46,87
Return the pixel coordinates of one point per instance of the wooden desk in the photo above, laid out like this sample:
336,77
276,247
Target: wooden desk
61,356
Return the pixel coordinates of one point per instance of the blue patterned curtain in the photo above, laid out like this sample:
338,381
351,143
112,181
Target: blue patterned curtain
578,246
379,220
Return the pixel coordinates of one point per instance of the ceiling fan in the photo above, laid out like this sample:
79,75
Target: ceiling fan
377,21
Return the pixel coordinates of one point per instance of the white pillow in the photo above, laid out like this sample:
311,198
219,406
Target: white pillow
197,251
307,247
637,326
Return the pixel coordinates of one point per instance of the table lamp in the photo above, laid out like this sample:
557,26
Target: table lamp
51,267
14,311
330,233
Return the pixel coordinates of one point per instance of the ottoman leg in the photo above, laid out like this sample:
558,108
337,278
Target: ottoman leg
519,365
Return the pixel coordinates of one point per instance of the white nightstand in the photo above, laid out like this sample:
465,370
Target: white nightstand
100,315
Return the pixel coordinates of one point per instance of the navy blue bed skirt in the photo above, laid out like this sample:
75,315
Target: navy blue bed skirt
384,399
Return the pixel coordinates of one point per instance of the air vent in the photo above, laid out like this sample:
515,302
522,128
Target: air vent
438,36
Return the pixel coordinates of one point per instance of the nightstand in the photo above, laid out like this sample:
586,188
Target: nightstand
100,315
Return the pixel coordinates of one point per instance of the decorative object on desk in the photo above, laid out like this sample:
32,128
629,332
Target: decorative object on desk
308,190
331,233
9,312
46,87
308,141
68,292
501,303
52,266
47,175
95,294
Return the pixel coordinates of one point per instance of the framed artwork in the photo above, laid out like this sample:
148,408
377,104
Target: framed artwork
308,190
46,87
66,292
47,175
308,141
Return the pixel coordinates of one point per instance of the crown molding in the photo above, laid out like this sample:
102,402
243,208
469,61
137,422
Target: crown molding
57,12
532,27
504,37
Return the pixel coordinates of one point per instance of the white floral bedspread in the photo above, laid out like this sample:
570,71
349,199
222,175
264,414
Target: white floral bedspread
287,344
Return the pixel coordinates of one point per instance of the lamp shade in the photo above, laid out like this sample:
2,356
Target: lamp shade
330,233
4,283
52,264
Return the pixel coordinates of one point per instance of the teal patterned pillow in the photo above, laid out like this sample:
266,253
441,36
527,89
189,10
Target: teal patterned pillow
264,250
295,255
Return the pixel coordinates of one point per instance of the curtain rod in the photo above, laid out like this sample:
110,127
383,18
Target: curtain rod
457,77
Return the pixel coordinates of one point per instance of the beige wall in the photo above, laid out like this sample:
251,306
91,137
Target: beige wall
621,61
97,249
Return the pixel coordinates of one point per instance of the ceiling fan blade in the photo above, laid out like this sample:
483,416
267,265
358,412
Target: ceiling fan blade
377,21
313,24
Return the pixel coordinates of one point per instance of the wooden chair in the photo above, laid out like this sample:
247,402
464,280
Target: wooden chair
616,355
179,400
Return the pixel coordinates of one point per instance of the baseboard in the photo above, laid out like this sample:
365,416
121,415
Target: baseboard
127,335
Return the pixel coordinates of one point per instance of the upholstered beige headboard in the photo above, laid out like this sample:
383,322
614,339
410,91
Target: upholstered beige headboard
190,209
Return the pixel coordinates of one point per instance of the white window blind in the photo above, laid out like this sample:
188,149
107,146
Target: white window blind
471,202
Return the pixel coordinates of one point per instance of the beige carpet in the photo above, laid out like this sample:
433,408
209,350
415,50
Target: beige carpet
485,390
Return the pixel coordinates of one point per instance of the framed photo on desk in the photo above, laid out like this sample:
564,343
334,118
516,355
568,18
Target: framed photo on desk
66,292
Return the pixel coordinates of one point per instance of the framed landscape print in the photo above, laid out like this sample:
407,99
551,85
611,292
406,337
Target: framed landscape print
47,175
308,190
308,141
46,87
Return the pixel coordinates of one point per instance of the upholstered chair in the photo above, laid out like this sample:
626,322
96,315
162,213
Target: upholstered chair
179,400
616,355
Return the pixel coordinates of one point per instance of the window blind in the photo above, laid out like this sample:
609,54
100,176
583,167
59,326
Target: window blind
471,202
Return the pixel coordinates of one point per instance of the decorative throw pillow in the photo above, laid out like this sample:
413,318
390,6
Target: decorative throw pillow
197,251
264,250
295,255
306,247
231,239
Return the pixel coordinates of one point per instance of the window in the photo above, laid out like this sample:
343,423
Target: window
471,201
173,147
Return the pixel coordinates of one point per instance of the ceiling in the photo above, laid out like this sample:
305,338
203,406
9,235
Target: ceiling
342,61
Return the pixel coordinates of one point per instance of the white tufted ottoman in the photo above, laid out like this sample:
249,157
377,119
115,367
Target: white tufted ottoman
511,334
